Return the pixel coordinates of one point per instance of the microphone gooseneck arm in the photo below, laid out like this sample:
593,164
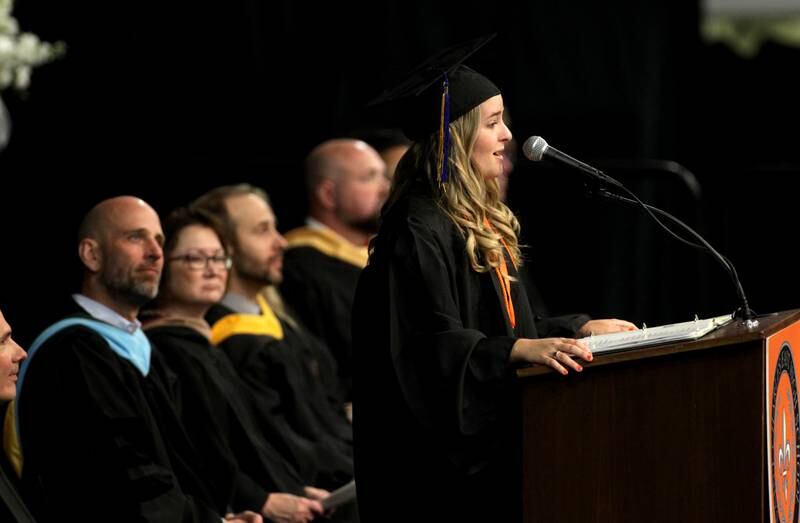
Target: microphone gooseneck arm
744,312
535,148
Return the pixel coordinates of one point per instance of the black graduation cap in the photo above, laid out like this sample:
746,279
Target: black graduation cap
416,104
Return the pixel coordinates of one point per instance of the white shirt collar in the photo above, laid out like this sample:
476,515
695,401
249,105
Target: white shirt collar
315,224
100,312
240,304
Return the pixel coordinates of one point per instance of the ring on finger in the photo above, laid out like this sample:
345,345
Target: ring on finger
555,354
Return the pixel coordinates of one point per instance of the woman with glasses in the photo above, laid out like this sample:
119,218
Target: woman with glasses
264,461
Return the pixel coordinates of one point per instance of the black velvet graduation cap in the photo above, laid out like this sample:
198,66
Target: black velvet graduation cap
416,103
436,92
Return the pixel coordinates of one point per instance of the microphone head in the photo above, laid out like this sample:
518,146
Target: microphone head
534,148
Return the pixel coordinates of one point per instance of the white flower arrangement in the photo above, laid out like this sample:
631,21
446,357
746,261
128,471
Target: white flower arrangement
21,52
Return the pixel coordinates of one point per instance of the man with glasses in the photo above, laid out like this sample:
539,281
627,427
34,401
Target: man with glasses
96,419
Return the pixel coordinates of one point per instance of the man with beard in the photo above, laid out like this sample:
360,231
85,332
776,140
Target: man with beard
98,433
289,372
347,184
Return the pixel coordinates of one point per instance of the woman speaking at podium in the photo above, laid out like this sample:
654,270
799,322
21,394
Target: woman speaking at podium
440,320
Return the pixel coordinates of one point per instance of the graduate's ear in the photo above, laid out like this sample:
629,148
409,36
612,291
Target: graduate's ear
90,255
326,193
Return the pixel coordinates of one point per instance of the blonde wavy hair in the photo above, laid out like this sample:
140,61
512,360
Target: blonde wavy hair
466,197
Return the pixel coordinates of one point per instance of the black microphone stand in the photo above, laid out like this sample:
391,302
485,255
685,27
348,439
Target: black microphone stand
595,186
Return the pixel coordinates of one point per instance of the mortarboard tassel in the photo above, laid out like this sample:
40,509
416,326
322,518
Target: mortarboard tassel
443,164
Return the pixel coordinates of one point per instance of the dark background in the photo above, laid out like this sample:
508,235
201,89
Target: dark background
165,100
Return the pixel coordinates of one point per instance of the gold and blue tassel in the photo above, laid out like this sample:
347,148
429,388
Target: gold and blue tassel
443,164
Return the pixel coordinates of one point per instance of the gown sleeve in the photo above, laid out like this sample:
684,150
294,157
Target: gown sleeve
453,376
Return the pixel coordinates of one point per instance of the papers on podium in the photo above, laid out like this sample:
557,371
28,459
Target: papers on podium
688,330
340,496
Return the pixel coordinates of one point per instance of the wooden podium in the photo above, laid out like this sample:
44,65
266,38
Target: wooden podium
673,433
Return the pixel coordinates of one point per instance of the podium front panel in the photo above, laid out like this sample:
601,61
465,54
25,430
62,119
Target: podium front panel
677,437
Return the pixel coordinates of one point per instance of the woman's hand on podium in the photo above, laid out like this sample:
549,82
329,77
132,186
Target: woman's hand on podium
556,353
605,327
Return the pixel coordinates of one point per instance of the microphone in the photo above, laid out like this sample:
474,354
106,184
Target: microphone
535,149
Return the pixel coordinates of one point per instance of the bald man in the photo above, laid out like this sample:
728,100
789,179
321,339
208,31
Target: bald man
347,184
99,433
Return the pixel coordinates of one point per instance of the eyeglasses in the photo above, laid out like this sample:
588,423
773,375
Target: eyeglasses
198,262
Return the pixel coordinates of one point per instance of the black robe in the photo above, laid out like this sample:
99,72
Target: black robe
294,378
12,508
547,326
320,289
218,412
102,442
436,409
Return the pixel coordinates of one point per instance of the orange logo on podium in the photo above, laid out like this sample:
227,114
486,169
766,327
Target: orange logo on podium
785,427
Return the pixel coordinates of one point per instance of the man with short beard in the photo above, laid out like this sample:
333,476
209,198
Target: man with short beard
289,372
96,420
347,184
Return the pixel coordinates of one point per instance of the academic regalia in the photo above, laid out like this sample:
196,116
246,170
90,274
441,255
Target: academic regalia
102,441
320,274
12,507
288,377
436,412
565,326
217,413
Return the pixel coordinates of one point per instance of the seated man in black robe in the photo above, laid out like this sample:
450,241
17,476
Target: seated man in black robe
347,184
290,371
96,419
12,507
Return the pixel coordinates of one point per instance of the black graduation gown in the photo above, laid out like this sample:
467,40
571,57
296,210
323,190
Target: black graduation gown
320,289
101,441
217,413
436,411
12,508
292,378
547,326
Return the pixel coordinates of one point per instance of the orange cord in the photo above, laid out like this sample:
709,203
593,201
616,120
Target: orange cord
502,275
